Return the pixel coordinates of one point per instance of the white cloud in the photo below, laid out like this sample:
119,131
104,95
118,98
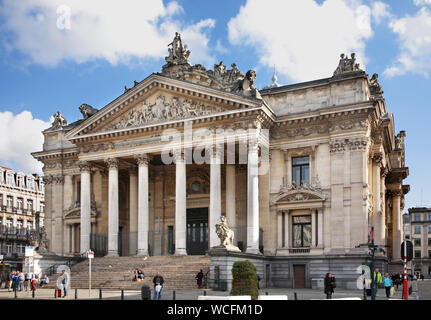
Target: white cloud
98,29
414,36
20,135
302,38
380,11
422,2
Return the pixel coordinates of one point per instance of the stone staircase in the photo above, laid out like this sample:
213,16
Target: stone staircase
117,272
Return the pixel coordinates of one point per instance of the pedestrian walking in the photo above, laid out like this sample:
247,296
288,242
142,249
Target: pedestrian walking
199,278
387,283
158,286
65,282
377,279
329,284
27,277
21,280
13,283
33,282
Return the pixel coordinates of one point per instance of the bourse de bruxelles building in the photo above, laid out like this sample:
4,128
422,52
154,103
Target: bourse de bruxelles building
301,172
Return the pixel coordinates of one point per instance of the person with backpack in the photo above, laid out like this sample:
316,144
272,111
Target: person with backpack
64,282
21,280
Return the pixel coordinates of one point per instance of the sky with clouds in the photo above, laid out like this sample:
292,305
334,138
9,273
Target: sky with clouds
58,54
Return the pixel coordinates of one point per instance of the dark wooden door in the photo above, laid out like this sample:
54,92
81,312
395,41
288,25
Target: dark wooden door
298,276
197,231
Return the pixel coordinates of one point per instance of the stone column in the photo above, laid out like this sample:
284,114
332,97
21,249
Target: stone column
113,207
215,197
376,195
313,228
180,204
85,206
68,192
231,199
286,229
143,215
133,213
280,229
320,228
288,169
396,228
253,200
72,238
383,240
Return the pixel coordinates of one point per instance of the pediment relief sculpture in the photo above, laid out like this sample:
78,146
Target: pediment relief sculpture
299,193
74,210
163,110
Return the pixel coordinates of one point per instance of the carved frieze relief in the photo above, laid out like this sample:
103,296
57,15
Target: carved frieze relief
163,110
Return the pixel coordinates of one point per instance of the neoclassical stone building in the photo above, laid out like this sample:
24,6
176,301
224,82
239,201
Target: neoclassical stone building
336,168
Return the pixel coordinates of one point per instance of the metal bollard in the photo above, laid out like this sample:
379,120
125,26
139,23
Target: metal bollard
100,294
122,294
33,292
296,296
266,293
173,295
55,293
76,294
205,293
15,294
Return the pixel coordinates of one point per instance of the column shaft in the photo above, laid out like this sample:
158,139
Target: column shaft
180,206
113,219
133,213
253,201
231,198
396,230
279,229
215,198
85,209
143,215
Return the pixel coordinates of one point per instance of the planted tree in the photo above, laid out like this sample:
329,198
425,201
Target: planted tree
244,282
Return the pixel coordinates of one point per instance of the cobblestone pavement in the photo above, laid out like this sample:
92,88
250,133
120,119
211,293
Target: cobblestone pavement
301,294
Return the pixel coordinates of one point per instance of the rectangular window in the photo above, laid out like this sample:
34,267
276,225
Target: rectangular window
19,202
429,253
19,224
417,242
429,242
417,217
1,199
417,229
301,170
417,253
429,229
9,201
429,217
301,234
42,207
30,205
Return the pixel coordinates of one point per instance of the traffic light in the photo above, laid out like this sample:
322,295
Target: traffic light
409,250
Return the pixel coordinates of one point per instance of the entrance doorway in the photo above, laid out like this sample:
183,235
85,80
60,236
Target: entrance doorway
298,276
197,231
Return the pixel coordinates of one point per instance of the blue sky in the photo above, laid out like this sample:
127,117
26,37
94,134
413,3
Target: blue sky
48,64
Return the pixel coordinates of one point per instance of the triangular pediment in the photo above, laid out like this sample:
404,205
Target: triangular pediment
159,100
298,194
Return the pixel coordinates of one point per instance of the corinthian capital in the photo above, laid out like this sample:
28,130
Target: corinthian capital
84,166
112,163
142,159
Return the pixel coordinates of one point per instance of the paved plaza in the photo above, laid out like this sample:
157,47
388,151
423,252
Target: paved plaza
424,293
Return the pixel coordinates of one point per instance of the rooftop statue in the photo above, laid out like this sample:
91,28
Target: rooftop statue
177,54
87,110
347,65
375,88
59,120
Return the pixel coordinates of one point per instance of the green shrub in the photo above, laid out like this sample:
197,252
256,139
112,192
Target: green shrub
244,282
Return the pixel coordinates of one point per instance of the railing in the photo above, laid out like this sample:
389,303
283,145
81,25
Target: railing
299,250
20,211
70,262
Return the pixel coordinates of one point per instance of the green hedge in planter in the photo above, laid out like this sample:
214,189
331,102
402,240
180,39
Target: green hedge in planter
244,282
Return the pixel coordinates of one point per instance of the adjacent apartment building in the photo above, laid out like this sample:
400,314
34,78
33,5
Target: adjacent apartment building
417,227
21,197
